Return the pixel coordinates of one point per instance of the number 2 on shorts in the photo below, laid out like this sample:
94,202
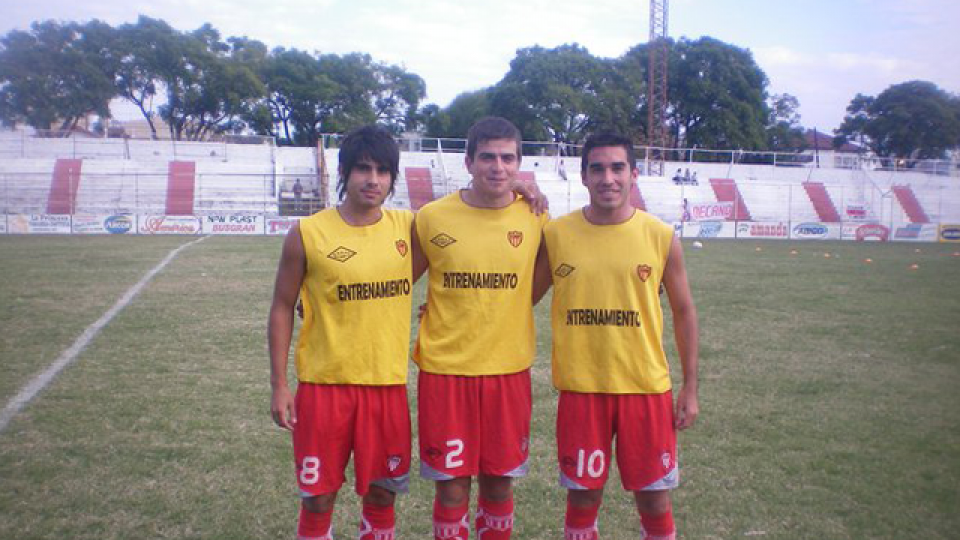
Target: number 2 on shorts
456,448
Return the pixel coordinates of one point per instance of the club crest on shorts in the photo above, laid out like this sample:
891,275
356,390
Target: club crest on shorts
564,270
402,247
644,271
665,458
442,240
393,462
341,254
515,238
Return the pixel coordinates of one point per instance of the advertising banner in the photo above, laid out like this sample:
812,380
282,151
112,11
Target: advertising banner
151,224
814,230
950,233
916,232
279,225
233,224
103,224
711,211
856,211
763,229
708,229
866,232
39,224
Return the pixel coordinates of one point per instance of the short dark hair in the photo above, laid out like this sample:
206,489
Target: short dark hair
368,142
607,138
491,128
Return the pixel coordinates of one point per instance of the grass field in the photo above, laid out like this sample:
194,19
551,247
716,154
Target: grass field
829,397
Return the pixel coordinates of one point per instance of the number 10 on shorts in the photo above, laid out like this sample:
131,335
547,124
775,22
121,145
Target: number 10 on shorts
593,465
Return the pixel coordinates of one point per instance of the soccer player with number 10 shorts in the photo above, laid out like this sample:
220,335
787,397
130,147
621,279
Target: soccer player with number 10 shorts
607,263
352,267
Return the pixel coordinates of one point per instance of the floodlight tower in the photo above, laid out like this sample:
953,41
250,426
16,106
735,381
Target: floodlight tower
657,85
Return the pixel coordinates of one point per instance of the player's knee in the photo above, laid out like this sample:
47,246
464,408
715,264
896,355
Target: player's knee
454,493
319,504
378,496
495,488
585,497
653,502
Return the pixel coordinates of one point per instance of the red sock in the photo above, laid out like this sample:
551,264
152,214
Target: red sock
377,522
581,522
658,527
450,523
494,519
314,526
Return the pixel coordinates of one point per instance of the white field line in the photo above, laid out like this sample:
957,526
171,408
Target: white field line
67,357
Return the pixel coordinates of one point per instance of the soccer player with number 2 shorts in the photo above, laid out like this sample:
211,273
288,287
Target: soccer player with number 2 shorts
352,266
476,340
607,263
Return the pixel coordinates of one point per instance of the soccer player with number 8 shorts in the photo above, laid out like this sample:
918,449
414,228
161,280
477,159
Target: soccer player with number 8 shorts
476,340
352,267
607,263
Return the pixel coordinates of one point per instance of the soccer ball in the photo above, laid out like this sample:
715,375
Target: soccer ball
697,244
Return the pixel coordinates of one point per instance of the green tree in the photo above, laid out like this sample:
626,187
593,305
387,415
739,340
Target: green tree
561,93
56,74
784,132
716,94
914,120
456,118
397,96
146,50
207,86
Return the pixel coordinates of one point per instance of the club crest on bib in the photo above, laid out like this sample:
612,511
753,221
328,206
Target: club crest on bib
564,270
665,459
515,238
402,247
341,254
393,462
644,271
442,240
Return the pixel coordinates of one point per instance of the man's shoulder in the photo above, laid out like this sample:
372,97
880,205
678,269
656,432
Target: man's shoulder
401,215
563,222
321,216
439,205
645,219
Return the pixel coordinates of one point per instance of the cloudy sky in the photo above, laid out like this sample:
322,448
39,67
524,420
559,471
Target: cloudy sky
822,51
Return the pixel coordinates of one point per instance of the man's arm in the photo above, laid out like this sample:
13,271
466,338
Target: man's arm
542,277
293,262
418,258
685,330
531,193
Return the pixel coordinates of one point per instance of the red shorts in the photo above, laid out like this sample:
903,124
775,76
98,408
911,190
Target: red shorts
646,440
334,420
472,425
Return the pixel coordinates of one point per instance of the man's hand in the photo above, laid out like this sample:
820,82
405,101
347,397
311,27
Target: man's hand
531,193
282,409
687,408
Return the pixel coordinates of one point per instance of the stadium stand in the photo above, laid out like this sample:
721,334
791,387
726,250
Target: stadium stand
419,181
726,190
64,186
908,201
181,184
822,203
97,176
